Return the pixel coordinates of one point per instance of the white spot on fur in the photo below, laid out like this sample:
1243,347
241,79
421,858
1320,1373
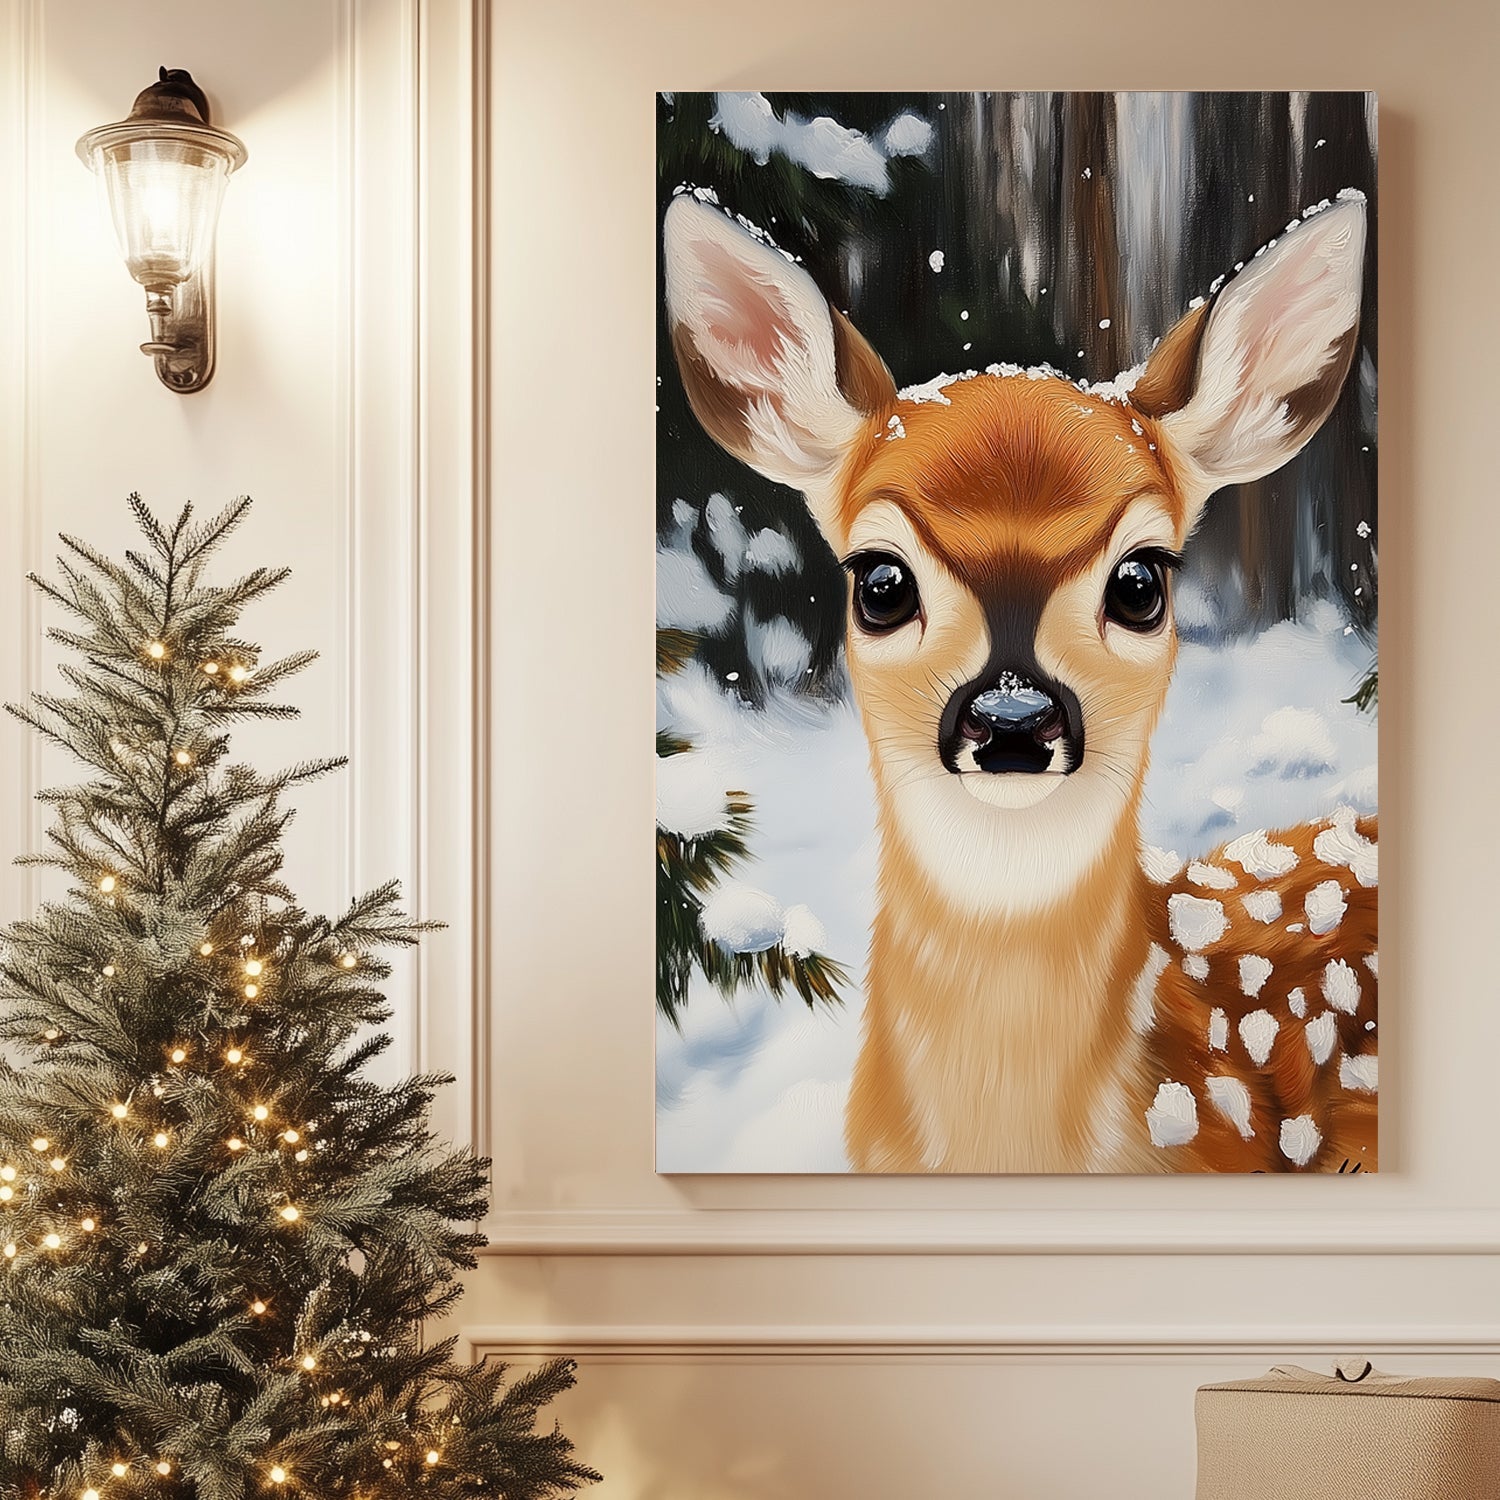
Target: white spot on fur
1256,855
1343,846
1218,1031
1264,906
896,428
1211,877
1300,1139
1161,865
1254,971
1296,1002
1360,1075
1340,987
1143,994
1195,966
1325,907
1232,1100
1296,927
1195,922
1322,1033
1173,1116
1372,963
1258,1031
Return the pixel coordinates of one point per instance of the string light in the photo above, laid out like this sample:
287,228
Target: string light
291,1137
179,1054
119,1470
258,1308
251,991
108,971
433,1455
88,1226
309,1362
212,668
205,949
51,1034
234,1056
119,1111
238,673
155,650
290,1214
10,1250
161,1139
58,1164
235,1143
90,1494
7,1173
163,1468
52,1241
261,1112
41,1143
278,1474
301,1155
7,1193
106,883
183,758
348,961
253,967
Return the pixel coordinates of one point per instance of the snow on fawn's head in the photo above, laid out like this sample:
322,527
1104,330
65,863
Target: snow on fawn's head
1009,537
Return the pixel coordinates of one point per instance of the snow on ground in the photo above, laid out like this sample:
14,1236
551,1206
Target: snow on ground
1254,735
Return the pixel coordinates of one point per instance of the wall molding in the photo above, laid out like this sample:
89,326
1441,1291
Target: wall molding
869,1343
1175,1231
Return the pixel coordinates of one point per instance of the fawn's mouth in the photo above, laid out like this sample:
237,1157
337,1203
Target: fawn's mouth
1013,790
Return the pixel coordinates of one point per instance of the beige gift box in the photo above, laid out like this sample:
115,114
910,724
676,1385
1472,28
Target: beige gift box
1358,1434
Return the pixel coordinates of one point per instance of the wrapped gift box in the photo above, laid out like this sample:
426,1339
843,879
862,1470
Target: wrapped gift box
1357,1434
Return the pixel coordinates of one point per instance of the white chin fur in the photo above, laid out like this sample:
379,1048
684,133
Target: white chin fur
1011,789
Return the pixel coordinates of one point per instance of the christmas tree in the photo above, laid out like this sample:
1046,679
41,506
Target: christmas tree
221,1237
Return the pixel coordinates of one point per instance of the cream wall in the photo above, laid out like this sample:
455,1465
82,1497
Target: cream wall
450,435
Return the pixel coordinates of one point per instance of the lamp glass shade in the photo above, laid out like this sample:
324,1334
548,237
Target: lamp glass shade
164,194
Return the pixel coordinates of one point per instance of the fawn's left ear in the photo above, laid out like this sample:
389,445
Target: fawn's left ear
1240,386
776,376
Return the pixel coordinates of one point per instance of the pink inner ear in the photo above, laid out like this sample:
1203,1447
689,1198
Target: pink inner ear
742,310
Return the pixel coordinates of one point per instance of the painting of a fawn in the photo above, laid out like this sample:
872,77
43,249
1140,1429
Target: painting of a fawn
1043,994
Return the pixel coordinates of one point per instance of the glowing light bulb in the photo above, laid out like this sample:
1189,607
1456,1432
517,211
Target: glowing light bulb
161,1139
41,1143
348,961
88,1226
119,1470
235,1143
141,1250
251,991
51,1034
205,949
386,1463
433,1455
212,668
253,967
258,1307
301,1155
179,1054
238,674
309,1362
164,1468
106,883
90,1494
119,1111
234,1055
291,1137
278,1474
182,757
155,650
52,1241
290,1214
58,1164
108,971
7,1193
261,1112
10,1250
7,1173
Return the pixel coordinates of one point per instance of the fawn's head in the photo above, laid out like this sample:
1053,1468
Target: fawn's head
1009,538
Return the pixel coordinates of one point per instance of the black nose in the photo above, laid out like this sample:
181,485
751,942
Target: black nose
1014,725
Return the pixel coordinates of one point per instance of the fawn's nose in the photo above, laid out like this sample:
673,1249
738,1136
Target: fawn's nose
1014,725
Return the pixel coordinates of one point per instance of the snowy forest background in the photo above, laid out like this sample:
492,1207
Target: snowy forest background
958,230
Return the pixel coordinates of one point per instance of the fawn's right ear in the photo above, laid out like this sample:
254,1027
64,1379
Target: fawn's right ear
775,375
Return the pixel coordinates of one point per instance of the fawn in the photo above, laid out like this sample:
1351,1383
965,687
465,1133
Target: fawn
1042,995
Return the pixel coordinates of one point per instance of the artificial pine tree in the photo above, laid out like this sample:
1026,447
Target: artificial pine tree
221,1238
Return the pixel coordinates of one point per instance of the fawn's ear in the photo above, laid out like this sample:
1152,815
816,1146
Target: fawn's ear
777,377
1240,386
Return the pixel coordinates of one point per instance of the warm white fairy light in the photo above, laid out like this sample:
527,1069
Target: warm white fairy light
179,1054
119,1470
7,1192
234,1056
348,961
51,1034
205,949
106,883
108,971
309,1362
258,1308
212,668
253,966
52,1241
251,991
291,1137
10,1250
301,1155
278,1474
7,1173
433,1455
41,1143
261,1112
119,1111
155,650
182,757
238,673
235,1143
291,1214
163,1468
88,1225
59,1164
90,1494
161,1140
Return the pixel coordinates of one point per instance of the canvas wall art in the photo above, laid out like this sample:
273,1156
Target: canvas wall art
1016,649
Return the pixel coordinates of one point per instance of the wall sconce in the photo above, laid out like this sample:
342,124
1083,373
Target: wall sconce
164,169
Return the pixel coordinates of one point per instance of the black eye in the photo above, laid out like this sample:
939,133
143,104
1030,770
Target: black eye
885,593
1136,594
